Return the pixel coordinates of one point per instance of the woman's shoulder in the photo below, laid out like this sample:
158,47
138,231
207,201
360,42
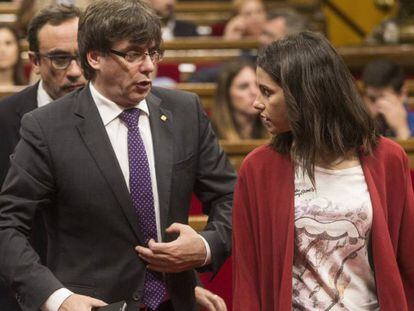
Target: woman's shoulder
262,157
388,148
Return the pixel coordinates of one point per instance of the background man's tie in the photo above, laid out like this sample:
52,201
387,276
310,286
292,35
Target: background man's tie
143,201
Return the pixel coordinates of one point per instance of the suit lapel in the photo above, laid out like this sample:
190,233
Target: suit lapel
97,141
161,120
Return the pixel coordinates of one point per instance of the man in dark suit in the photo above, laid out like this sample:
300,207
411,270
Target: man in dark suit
53,49
113,167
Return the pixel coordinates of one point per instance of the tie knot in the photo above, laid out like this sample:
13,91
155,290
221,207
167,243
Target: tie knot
130,117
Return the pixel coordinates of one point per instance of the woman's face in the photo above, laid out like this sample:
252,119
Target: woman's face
271,104
243,92
254,17
9,50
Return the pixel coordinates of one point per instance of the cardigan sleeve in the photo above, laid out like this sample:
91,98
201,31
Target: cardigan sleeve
246,286
405,250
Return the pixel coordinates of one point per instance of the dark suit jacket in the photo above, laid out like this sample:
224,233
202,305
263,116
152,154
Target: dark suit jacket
185,29
65,165
12,109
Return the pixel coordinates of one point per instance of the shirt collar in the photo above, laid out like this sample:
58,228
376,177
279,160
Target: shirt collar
109,110
43,97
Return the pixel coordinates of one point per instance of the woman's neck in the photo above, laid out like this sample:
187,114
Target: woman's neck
350,159
244,124
6,77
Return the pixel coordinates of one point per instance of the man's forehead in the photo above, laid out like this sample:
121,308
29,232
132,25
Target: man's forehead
62,37
378,90
134,44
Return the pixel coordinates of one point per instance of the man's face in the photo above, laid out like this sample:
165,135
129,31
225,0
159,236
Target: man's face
124,82
273,30
164,8
378,98
60,40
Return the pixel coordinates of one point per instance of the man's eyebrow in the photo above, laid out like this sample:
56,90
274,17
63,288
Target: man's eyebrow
58,52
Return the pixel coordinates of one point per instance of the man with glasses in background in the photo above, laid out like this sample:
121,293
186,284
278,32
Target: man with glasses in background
113,167
54,56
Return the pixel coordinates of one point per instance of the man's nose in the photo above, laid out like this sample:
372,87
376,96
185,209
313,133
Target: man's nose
147,66
74,69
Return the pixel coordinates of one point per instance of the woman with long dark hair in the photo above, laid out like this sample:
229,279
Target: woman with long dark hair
234,116
323,216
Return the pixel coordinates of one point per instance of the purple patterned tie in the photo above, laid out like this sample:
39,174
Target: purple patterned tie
143,201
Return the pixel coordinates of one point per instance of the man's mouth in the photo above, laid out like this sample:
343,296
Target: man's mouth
72,87
144,85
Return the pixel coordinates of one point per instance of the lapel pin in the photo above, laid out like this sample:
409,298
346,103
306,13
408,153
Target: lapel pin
164,117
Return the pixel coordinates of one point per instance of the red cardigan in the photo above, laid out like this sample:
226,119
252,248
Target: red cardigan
263,229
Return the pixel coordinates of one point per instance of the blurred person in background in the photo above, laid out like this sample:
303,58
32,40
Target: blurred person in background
278,24
11,68
281,23
234,116
171,27
385,94
248,22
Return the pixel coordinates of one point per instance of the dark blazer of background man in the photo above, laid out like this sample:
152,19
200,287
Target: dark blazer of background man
52,32
65,165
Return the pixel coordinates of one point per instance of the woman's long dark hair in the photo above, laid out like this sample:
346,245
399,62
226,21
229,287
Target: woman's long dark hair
327,116
18,74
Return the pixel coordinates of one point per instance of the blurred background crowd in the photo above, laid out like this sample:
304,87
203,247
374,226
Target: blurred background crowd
211,47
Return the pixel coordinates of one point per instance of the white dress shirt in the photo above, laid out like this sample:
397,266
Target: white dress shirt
43,97
118,135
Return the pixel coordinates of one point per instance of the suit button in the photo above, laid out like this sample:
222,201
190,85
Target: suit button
136,296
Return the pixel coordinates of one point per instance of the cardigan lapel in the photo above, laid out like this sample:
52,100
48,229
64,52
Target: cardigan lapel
93,133
385,267
161,121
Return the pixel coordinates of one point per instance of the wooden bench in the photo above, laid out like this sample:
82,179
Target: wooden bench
8,11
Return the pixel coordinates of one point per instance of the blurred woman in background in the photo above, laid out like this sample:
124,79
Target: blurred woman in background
11,69
234,116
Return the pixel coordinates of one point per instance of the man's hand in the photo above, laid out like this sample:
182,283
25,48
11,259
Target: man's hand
208,300
80,303
392,108
235,28
186,252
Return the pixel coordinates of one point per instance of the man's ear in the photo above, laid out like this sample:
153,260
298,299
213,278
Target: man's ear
35,61
94,59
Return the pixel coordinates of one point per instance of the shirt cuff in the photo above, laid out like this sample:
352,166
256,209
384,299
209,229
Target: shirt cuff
208,257
55,300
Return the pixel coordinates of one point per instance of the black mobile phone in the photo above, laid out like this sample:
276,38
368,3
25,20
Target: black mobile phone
117,306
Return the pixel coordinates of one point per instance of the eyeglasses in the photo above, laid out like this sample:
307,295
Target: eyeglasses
61,61
138,57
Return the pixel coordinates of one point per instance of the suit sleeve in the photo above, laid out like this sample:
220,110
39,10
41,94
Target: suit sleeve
245,260
29,186
214,187
406,237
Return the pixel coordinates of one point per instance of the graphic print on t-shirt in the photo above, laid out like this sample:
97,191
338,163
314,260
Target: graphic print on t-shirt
331,268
